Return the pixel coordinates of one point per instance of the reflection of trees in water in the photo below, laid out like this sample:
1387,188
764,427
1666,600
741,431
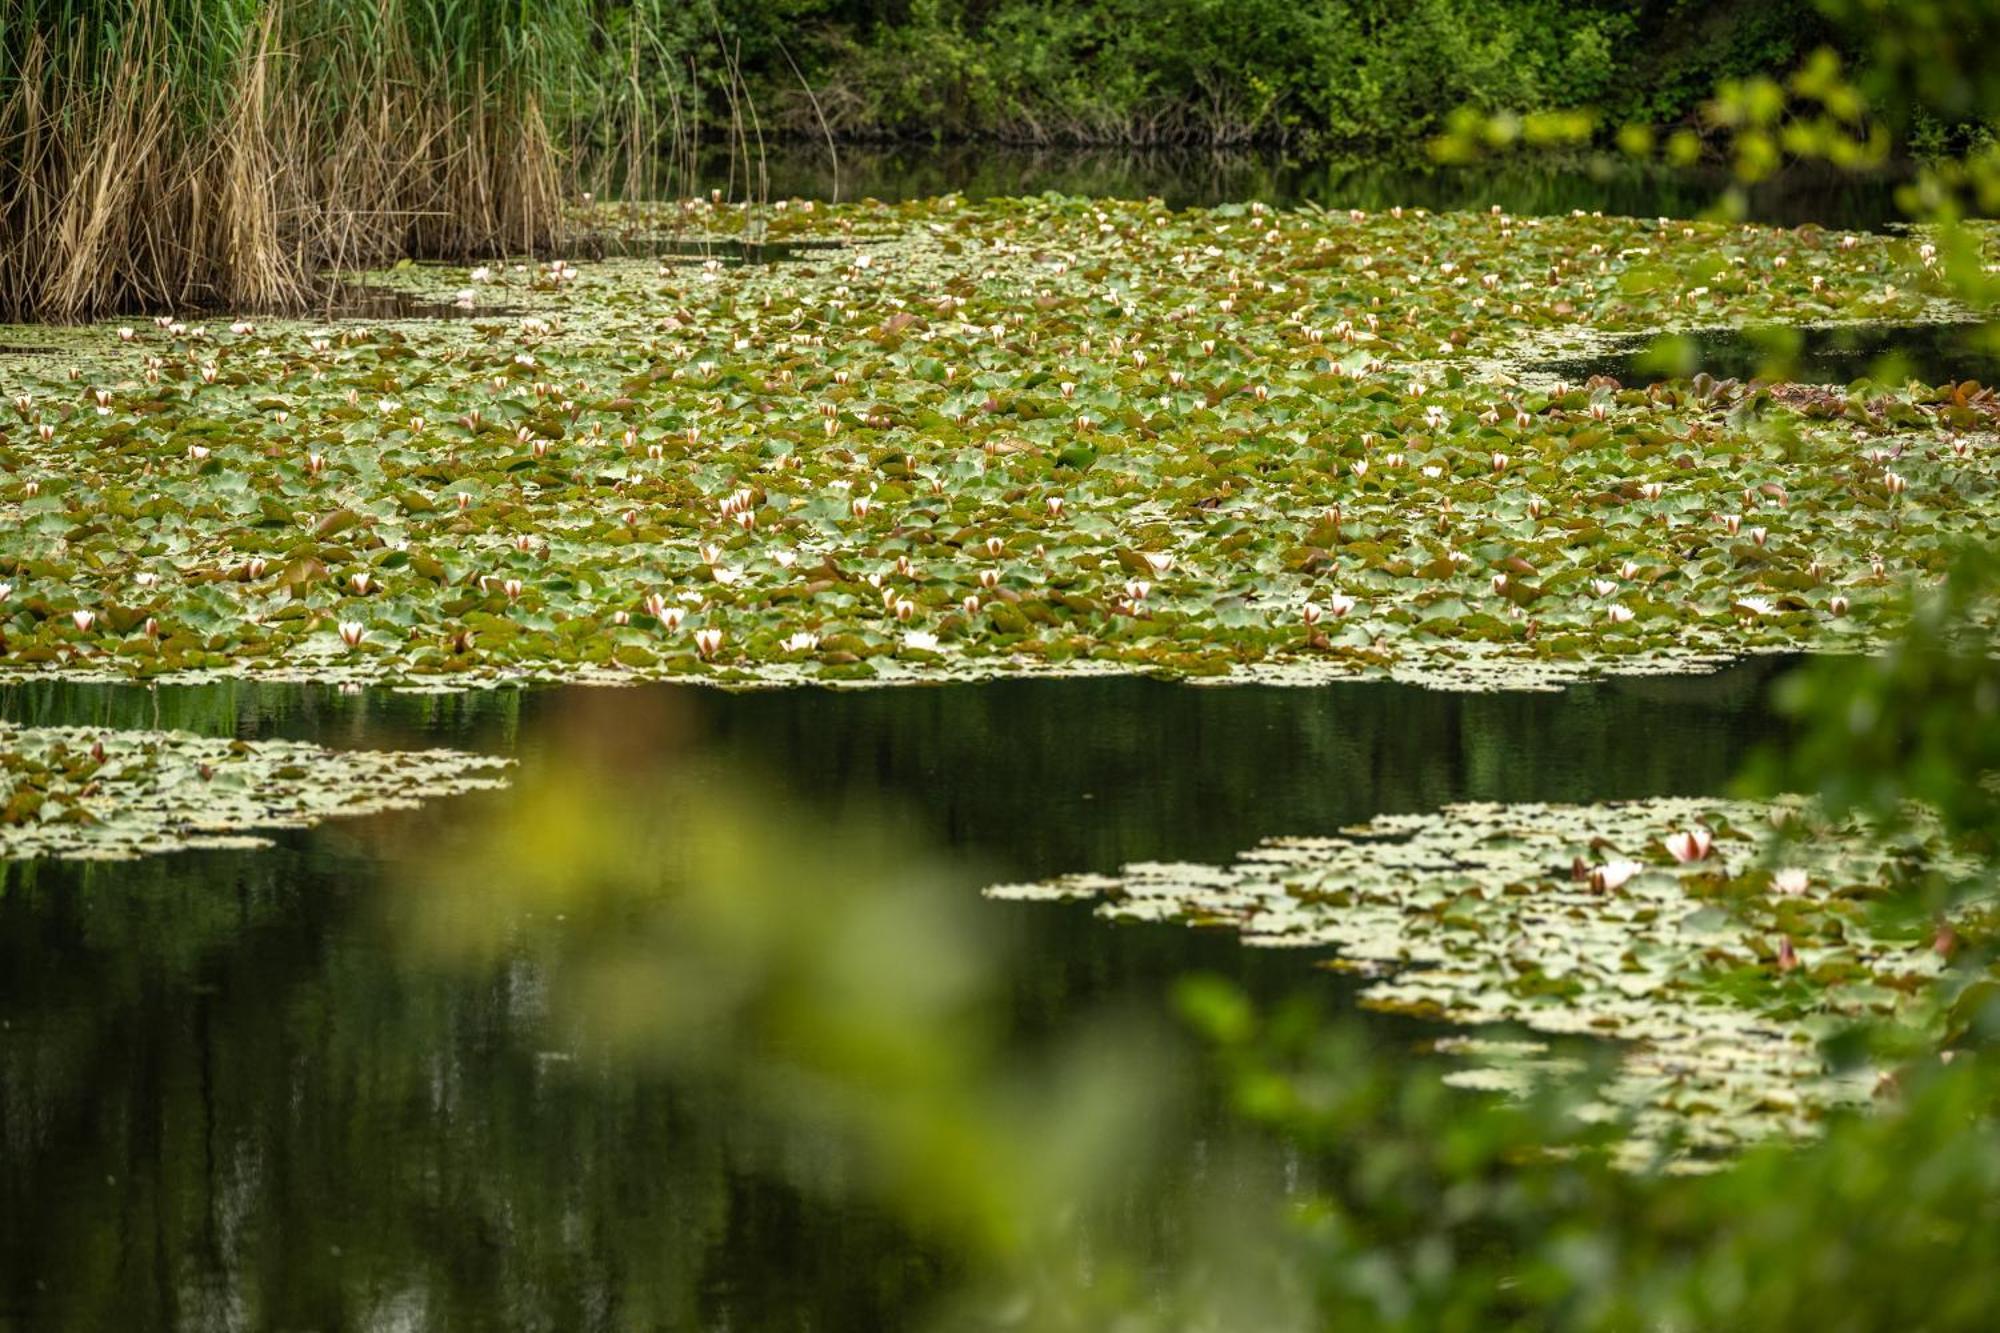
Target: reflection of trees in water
1192,178
221,1094
708,997
1055,776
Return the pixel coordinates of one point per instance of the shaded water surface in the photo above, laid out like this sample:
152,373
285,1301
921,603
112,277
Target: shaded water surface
554,1057
1526,184
1886,353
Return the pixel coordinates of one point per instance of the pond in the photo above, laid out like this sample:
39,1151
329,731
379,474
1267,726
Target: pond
710,1017
327,1084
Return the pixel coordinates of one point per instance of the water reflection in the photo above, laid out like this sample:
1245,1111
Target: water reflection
1838,354
703,1024
1525,184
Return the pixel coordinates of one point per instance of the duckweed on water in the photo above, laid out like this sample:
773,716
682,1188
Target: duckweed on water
1020,436
1718,957
105,795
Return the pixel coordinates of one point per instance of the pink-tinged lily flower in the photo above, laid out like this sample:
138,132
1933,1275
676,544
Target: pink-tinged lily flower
1311,613
1603,587
512,587
1161,562
1690,845
621,617
670,618
1837,605
464,500
905,608
859,507
653,604
360,582
1652,490
351,632
255,566
1136,589
989,579
1499,584
921,640
1618,613
315,464
994,546
83,620
970,605
801,641
1788,957
6,591
1790,881
708,641
1339,603
1055,506
1613,875
1894,483
1732,523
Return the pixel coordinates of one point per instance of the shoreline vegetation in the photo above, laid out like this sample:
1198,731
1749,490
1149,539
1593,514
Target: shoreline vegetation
178,154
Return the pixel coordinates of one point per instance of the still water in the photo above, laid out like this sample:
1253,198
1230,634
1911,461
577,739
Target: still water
1888,354
1525,184
703,1022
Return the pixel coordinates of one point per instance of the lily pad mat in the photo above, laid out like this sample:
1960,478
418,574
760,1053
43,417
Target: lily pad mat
1718,974
1018,436
97,794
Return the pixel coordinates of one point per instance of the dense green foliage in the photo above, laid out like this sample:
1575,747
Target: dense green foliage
1231,71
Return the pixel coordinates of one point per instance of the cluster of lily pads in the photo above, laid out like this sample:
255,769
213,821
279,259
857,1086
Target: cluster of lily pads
967,439
1718,958
107,795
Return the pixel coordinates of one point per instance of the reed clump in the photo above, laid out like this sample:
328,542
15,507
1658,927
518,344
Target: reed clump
157,154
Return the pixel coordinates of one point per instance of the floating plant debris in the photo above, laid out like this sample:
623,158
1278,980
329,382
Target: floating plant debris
1047,436
1715,950
106,795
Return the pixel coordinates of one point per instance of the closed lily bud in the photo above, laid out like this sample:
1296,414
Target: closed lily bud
83,620
351,632
708,641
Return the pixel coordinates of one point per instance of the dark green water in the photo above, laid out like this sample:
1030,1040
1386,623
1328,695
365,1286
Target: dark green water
1888,354
1523,184
401,1073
